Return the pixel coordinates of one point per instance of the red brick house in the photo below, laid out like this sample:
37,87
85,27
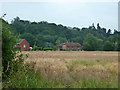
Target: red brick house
70,46
23,44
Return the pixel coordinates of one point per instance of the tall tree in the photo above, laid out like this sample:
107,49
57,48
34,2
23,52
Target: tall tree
98,26
90,43
108,46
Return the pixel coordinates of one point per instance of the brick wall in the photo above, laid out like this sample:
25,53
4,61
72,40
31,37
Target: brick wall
24,45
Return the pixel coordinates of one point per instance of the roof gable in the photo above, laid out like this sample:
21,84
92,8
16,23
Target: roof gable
20,41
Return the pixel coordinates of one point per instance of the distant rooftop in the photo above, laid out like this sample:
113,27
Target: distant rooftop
20,41
70,44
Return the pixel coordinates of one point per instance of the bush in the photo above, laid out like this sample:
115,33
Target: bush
18,48
54,48
36,48
10,59
26,77
67,50
46,49
61,50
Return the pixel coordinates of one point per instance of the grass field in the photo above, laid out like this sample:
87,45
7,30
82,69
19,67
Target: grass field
76,69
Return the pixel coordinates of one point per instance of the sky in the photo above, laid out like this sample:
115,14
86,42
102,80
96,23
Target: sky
74,14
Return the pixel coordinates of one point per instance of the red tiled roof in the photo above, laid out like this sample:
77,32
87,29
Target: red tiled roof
20,41
70,44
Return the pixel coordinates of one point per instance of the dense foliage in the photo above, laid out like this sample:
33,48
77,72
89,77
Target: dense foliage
10,59
49,35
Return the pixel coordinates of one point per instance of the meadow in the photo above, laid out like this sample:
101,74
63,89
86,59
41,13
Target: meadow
76,69
65,69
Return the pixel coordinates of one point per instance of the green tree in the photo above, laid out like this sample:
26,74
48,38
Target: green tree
30,38
18,25
57,42
108,46
78,39
90,43
99,45
98,26
40,40
61,40
35,48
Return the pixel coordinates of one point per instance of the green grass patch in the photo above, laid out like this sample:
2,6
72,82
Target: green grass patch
86,62
92,83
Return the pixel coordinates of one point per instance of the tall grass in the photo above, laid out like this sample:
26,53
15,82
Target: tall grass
66,70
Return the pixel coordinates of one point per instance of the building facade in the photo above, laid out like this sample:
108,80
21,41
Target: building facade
23,44
70,46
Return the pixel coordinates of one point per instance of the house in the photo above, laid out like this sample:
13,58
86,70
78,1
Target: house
23,44
70,46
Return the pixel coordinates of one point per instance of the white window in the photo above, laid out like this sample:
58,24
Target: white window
24,46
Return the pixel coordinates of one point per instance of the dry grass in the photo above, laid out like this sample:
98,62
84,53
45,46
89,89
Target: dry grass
73,66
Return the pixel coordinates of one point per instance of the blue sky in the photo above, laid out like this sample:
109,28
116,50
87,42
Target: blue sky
75,14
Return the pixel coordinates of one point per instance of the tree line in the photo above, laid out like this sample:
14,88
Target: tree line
49,35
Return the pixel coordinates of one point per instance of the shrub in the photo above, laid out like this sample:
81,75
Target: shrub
46,49
18,48
61,50
67,50
10,58
36,48
54,48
